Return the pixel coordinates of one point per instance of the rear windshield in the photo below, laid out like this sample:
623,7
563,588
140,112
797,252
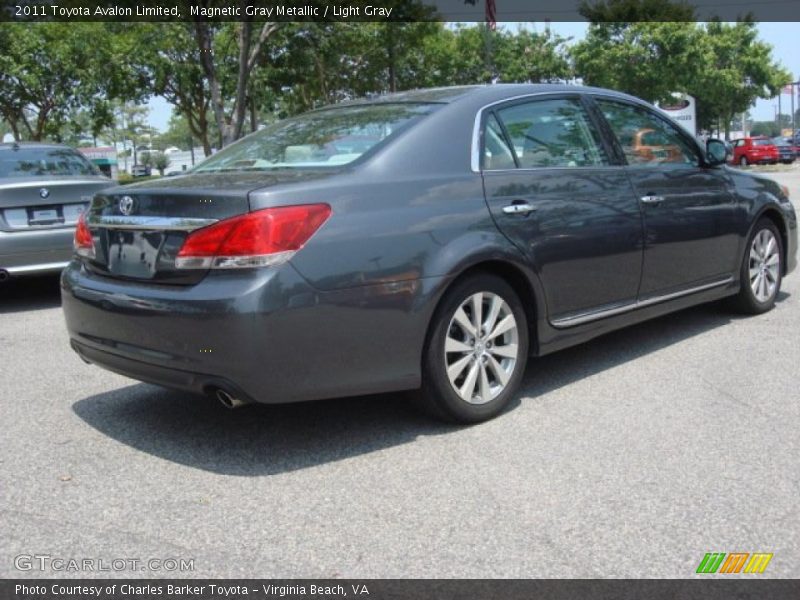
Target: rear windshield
320,139
762,143
43,162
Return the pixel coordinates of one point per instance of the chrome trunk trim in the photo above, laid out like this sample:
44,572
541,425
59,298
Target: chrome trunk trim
148,223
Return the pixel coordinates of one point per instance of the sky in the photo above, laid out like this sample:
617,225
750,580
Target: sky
782,36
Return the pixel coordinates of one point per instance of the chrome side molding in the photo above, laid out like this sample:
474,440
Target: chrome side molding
618,310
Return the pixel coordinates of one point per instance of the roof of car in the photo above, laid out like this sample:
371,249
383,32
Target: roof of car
15,145
488,93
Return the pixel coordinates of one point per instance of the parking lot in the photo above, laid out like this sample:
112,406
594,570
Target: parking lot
630,456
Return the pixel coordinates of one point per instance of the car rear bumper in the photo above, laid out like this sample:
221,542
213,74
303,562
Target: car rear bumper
201,383
36,251
263,333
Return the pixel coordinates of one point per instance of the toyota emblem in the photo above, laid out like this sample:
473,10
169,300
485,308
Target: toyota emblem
126,205
44,193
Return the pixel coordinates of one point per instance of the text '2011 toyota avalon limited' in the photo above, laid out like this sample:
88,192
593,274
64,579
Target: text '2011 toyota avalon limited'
430,241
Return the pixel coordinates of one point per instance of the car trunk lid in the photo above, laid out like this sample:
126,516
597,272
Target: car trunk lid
138,230
38,203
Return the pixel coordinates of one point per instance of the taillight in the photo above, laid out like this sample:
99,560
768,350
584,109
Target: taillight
83,242
262,238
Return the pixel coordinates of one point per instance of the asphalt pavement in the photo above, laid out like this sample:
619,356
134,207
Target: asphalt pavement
630,456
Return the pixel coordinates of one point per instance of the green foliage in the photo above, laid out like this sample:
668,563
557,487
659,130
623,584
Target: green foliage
627,11
767,128
168,57
124,178
179,134
160,161
57,79
51,72
312,64
646,59
724,66
738,68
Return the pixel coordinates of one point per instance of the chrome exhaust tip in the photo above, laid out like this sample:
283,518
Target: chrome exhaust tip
229,401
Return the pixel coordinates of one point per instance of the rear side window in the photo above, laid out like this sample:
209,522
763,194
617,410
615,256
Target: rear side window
552,133
762,143
496,151
43,162
647,139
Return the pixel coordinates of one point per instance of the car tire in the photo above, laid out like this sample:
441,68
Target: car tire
743,161
761,270
469,376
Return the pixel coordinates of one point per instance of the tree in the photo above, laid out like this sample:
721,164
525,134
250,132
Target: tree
531,57
210,36
179,134
650,60
168,57
737,68
627,11
767,128
128,126
310,64
49,73
160,161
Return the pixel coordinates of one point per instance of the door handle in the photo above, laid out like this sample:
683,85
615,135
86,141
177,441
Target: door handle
650,199
519,208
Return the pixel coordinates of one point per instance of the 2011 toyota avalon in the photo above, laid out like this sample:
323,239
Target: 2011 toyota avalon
429,240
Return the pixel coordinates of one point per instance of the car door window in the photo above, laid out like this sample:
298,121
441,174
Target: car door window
646,138
552,133
496,152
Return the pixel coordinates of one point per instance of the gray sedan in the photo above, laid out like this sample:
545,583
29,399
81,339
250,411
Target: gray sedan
43,190
427,241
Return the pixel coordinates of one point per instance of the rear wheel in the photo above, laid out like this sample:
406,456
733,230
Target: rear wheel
761,269
476,352
743,161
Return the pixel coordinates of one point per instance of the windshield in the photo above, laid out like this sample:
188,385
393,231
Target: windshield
43,162
327,138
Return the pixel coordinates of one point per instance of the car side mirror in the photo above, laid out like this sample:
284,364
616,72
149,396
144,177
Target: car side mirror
716,152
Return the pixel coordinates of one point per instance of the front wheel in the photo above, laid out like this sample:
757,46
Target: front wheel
761,269
743,161
476,352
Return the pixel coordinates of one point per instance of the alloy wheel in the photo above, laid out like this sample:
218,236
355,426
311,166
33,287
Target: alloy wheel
764,265
481,348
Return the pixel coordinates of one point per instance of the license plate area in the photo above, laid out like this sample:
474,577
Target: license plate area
134,253
39,216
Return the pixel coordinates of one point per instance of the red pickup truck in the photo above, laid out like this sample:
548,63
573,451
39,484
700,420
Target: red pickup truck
755,151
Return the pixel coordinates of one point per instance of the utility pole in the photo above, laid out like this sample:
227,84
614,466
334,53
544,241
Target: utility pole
795,84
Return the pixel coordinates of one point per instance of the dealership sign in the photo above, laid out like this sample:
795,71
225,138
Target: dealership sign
681,109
